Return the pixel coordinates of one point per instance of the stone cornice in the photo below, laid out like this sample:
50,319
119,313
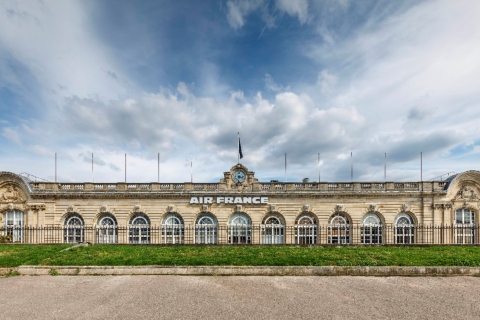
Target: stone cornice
188,194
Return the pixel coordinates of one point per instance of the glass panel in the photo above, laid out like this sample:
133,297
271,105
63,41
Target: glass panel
172,229
206,230
139,230
107,229
73,229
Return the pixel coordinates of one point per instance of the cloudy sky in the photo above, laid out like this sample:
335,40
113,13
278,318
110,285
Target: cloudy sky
182,77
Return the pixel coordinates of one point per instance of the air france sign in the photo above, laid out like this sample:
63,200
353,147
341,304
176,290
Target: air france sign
240,200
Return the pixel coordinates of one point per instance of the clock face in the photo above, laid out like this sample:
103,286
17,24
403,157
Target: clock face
239,176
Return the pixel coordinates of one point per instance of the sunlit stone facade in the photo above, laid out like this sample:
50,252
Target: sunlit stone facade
240,209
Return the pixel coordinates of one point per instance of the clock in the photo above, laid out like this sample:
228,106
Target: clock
239,176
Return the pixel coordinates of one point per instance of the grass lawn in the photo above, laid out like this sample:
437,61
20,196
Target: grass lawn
116,255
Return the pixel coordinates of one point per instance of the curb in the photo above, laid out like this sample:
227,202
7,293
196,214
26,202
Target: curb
245,271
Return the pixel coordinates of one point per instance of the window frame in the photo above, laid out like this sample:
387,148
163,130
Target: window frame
139,233
273,233
74,232
206,233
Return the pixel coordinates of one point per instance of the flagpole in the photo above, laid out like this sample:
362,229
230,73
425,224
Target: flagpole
421,167
238,151
351,166
285,179
125,168
191,168
385,168
319,167
158,168
93,178
55,167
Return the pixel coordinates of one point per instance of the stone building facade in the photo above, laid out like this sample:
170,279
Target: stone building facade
241,209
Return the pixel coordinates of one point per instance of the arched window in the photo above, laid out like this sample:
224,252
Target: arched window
464,226
13,224
107,229
139,229
339,229
272,230
206,229
306,230
239,229
404,229
172,229
73,229
371,229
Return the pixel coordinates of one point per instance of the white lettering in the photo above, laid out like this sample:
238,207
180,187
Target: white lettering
219,199
247,199
193,200
256,199
228,199
200,199
207,200
237,200
264,199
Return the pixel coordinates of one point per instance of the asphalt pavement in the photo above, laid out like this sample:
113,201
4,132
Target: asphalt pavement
238,297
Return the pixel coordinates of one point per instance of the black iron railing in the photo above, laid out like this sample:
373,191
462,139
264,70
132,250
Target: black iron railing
245,234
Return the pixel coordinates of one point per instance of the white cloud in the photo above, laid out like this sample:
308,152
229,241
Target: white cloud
41,150
297,8
54,41
11,135
326,81
271,85
239,9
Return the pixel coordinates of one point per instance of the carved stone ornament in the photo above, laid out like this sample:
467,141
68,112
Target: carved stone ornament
466,192
136,208
103,208
238,207
204,208
272,208
405,207
339,208
10,194
306,208
70,208
448,206
10,206
170,208
372,207
36,207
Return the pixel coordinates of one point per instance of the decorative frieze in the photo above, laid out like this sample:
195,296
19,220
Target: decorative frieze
466,192
9,193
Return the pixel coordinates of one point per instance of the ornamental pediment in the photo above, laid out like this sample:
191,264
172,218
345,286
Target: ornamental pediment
239,178
11,194
467,192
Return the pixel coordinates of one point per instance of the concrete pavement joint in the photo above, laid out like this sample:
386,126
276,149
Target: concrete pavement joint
245,271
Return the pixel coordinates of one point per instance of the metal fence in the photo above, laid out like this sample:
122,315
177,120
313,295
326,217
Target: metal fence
245,234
